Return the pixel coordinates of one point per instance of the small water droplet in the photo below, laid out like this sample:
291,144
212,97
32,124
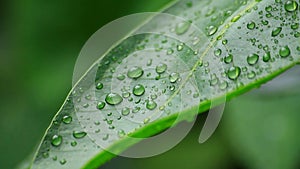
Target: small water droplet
113,99
99,86
151,105
121,77
234,72
284,51
56,140
251,25
236,18
67,119
291,6
161,68
251,75
125,111
121,133
182,27
73,143
79,134
179,47
276,31
267,57
135,72
100,105
174,77
211,30
138,90
63,161
228,59
218,52
252,59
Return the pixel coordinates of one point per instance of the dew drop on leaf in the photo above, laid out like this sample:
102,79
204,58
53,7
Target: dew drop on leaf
79,134
284,51
135,72
73,143
251,25
161,68
173,77
125,111
113,99
267,57
276,31
99,86
252,59
291,6
67,119
182,27
63,161
211,30
228,59
234,72
151,105
100,105
138,90
56,140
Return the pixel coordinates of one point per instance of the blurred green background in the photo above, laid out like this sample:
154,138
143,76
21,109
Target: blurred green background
39,44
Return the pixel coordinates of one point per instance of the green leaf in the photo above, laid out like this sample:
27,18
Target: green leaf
149,82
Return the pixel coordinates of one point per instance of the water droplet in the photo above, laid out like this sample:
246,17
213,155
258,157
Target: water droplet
151,105
56,140
182,27
223,85
298,48
267,57
146,120
170,51
161,68
99,86
179,47
135,72
291,6
100,105
251,25
121,77
276,31
138,90
45,155
125,111
295,26
63,161
228,58
211,30
79,134
251,75
173,77
284,51
252,59
224,42
233,73
73,143
67,119
218,52
113,99
121,133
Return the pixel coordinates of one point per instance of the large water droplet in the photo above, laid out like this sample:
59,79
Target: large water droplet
252,59
56,140
79,134
284,51
291,6
151,105
67,119
173,77
113,99
182,27
138,90
161,68
233,73
276,31
135,72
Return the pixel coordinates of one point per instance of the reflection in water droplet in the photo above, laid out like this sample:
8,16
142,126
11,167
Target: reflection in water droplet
138,90
251,75
211,30
135,72
63,161
73,143
173,77
113,99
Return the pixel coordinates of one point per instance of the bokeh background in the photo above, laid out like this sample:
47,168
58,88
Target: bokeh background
39,44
